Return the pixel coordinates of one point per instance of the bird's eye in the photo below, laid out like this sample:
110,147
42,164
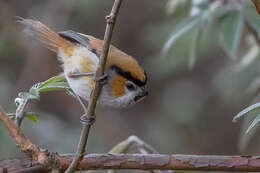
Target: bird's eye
130,86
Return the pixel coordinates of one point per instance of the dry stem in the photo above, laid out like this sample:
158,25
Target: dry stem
95,94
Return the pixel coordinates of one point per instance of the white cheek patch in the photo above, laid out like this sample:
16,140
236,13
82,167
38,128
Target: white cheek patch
123,101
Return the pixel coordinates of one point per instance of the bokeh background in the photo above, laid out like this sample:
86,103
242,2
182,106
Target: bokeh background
188,111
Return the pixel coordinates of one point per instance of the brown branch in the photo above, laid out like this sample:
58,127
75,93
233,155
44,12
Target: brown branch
169,162
123,161
257,5
158,162
90,117
37,154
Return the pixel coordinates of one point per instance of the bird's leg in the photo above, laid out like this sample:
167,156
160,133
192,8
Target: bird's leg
102,79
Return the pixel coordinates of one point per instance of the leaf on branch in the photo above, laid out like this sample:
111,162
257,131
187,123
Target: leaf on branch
231,30
59,78
32,116
27,96
247,110
57,86
56,83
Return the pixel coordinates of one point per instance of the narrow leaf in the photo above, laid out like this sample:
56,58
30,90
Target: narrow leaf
252,17
59,78
180,30
247,110
252,125
231,31
55,87
193,48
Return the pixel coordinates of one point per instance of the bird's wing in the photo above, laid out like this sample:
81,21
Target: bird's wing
75,37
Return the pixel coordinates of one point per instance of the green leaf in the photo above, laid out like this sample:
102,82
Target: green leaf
252,17
58,86
231,29
55,79
32,116
27,96
247,110
252,125
180,30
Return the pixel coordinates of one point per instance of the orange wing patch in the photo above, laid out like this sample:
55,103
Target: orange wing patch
117,86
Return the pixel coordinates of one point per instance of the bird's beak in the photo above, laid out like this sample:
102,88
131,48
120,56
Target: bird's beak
142,95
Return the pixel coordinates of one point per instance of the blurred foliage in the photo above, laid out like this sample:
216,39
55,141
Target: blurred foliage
201,58
228,17
232,18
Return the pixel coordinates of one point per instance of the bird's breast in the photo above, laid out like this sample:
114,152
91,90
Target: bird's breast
81,60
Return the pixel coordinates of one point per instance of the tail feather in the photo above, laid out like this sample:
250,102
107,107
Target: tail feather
41,32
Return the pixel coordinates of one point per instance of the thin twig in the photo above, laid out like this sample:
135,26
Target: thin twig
95,94
20,112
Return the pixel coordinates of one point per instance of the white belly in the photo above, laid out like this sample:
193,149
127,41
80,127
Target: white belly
82,60
80,87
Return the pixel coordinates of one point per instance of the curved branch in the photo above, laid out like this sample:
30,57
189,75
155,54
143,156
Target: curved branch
37,154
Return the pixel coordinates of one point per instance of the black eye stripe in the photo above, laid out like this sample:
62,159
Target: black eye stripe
128,76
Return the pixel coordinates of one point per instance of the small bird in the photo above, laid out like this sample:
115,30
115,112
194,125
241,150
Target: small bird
124,82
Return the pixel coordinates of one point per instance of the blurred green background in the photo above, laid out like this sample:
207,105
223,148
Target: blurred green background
189,109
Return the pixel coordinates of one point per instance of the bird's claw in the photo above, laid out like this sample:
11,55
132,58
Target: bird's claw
101,79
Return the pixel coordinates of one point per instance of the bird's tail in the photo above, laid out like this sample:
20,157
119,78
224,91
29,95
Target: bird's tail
42,33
